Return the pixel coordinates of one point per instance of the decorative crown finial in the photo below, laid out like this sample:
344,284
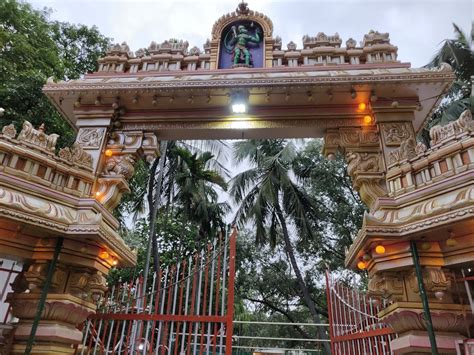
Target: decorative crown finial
242,8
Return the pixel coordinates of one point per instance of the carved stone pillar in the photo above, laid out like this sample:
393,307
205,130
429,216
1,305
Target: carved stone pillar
114,152
72,297
121,152
450,315
361,146
427,197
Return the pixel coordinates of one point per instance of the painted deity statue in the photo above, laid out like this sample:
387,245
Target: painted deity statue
239,42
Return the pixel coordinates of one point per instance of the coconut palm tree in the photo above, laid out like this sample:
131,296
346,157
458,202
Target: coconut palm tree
458,53
269,197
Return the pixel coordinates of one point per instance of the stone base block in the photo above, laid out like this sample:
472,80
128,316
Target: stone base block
419,343
43,349
49,332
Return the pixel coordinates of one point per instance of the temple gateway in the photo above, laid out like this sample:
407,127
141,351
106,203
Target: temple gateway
365,103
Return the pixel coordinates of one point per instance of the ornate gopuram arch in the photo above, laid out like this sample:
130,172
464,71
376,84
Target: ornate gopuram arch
358,96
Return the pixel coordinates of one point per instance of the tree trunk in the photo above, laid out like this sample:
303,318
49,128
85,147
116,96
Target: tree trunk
306,295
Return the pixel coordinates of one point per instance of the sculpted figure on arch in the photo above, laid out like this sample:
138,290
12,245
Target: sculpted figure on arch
238,43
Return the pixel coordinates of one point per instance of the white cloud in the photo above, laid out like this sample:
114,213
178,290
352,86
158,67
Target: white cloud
416,27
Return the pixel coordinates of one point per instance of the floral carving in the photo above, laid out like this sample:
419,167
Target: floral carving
407,150
37,137
90,137
404,321
120,165
77,155
420,148
396,133
386,285
78,284
9,131
53,310
434,280
463,124
362,163
97,284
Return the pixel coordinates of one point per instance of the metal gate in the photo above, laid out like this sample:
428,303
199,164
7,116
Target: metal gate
187,309
354,327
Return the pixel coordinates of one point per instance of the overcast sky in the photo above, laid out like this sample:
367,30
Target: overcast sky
416,27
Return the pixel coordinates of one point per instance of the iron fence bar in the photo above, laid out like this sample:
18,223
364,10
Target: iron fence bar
180,305
198,304
193,302
150,310
188,281
175,294
211,293
280,323
230,295
468,290
10,273
162,307
109,338
330,314
278,338
224,274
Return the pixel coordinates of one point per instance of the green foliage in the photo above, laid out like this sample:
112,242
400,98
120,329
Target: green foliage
340,210
458,53
79,46
267,290
177,239
33,49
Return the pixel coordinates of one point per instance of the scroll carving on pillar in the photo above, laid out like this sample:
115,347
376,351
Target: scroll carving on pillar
396,132
125,148
434,280
361,147
387,285
90,138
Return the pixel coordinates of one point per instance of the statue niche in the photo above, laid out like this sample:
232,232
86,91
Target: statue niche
240,45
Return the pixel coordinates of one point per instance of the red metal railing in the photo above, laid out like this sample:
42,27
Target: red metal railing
354,327
186,309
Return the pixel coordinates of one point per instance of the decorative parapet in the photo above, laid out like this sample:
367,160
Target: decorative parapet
322,49
413,166
31,155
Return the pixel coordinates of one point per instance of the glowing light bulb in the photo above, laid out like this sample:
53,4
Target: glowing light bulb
380,249
362,106
239,108
103,254
97,193
361,265
114,262
108,153
367,119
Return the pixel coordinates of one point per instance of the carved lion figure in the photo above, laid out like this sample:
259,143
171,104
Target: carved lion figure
120,165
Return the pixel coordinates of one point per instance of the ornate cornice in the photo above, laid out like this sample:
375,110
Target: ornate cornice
263,78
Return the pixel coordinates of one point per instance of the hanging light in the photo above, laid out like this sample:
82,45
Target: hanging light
362,265
239,102
367,119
